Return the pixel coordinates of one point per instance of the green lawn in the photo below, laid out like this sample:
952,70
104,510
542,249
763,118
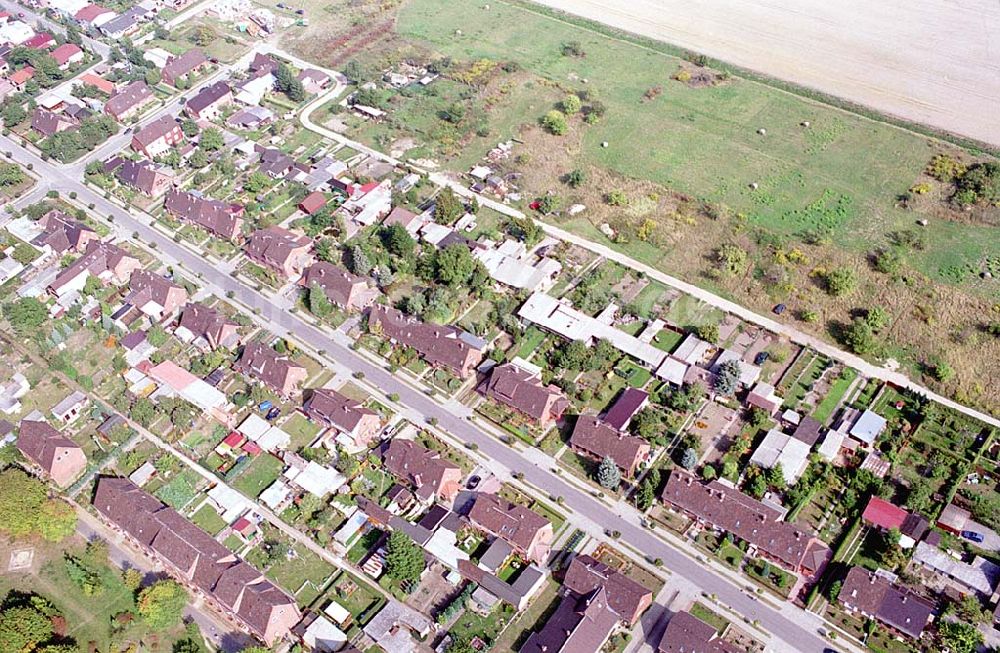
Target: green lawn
709,616
259,474
834,396
208,520
303,575
301,429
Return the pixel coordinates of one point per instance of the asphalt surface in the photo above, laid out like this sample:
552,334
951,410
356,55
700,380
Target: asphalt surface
800,634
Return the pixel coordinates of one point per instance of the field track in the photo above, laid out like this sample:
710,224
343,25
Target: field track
935,62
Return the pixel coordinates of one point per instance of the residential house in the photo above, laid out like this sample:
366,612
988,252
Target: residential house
764,397
598,440
66,55
978,575
580,623
528,533
58,456
276,371
197,559
148,178
251,118
312,203
759,525
48,123
128,101
394,626
93,15
279,250
208,326
183,66
686,633
349,416
868,426
210,101
253,91
778,448
368,203
629,402
174,380
156,296
517,593
886,516
405,218
426,471
273,162
108,262
217,218
314,81
626,597
441,346
62,234
344,289
510,264
523,391
874,597
156,138
808,430
124,24
40,41
98,82
19,78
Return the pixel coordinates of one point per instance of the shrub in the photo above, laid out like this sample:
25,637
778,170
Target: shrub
616,198
945,168
840,281
683,75
571,104
555,122
573,49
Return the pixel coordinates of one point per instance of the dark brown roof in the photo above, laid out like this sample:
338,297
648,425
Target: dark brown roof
134,95
274,162
262,64
581,624
600,440
204,322
216,217
40,442
511,522
266,365
61,232
686,633
48,123
156,130
420,467
140,175
195,554
335,409
808,431
273,246
208,96
439,345
519,389
336,282
748,519
625,596
146,286
630,401
99,257
184,64
874,595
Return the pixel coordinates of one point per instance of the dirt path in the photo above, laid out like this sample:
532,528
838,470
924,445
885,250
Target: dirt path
935,62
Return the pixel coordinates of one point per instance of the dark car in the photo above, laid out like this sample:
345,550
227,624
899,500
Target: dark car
272,414
761,357
473,482
779,309
973,536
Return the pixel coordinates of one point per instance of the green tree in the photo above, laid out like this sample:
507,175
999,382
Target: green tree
571,104
447,207
840,281
143,411
202,36
190,128
608,474
198,160
287,83
555,122
708,332
319,304
25,315
255,182
21,499
959,636
834,591
13,114
732,259
859,337
645,495
404,559
877,318
161,604
358,261
56,520
211,140
455,265
11,174
132,578
575,178
398,241
728,378
22,628
888,260
689,459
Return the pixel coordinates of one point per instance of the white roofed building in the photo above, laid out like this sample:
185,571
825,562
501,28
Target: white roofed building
778,448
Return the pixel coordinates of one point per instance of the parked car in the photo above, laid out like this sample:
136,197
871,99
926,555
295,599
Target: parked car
760,358
973,536
265,406
272,414
779,309
473,482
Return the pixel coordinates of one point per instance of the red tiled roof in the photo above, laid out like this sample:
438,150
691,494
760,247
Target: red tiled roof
313,202
64,52
883,514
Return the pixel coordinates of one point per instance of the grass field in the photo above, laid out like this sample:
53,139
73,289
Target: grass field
829,190
262,471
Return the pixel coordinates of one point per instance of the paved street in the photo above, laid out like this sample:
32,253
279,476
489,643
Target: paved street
795,629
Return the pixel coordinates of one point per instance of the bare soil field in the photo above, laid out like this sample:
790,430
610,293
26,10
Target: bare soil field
926,61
